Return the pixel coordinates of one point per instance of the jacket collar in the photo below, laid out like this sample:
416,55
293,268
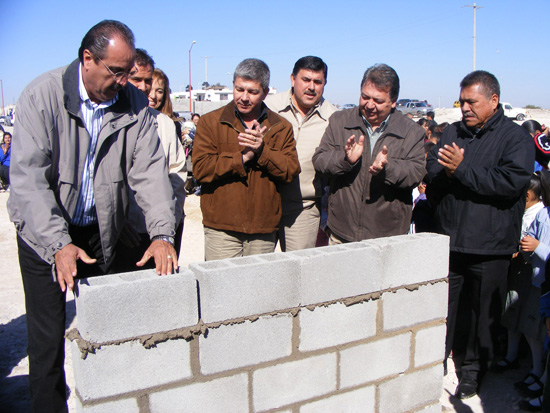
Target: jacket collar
71,95
228,116
489,125
397,124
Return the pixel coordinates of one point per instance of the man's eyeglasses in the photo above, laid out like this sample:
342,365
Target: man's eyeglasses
119,76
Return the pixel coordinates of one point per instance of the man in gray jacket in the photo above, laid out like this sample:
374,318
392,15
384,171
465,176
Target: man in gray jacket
374,157
308,112
80,138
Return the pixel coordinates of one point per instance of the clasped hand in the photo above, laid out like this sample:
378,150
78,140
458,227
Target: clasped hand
253,141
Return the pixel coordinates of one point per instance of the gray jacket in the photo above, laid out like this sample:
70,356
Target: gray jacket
362,206
50,143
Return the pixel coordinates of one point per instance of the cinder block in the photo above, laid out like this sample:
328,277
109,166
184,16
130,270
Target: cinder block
430,345
294,381
228,394
432,408
406,308
356,401
339,271
121,306
129,367
336,324
375,360
241,287
411,259
232,346
414,389
125,405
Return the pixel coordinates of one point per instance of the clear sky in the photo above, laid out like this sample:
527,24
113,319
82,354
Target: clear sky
428,42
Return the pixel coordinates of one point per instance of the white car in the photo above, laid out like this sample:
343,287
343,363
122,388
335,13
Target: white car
511,112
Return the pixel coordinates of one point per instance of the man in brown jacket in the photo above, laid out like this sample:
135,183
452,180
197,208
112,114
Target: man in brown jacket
242,153
374,157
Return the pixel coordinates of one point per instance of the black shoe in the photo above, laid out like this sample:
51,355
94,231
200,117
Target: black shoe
523,388
528,407
466,388
504,365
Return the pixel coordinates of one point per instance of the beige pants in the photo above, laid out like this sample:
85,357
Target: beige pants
298,229
219,244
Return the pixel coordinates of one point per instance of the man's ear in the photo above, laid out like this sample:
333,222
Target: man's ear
292,80
87,58
494,101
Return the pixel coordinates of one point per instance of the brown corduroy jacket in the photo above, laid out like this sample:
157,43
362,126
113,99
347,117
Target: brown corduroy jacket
235,197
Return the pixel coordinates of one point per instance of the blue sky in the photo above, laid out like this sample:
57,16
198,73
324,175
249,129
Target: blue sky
428,42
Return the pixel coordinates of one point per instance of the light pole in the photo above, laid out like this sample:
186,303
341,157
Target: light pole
190,109
474,58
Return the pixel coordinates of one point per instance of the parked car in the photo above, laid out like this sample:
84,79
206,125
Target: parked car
416,108
511,112
6,120
348,106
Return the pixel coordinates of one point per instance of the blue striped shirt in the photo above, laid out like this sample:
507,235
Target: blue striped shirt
92,113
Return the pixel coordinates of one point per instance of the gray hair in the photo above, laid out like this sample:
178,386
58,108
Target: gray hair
488,82
98,37
253,69
383,77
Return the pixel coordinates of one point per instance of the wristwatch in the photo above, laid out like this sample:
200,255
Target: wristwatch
164,238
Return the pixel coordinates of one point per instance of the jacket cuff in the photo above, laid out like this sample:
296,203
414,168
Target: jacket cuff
162,230
55,247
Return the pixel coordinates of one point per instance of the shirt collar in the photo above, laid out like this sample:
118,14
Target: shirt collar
86,98
295,109
380,128
261,118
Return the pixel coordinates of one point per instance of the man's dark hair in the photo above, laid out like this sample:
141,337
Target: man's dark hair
313,63
422,121
488,81
383,77
253,69
431,114
98,37
143,59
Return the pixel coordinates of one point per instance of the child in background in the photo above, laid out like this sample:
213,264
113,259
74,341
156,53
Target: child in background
537,242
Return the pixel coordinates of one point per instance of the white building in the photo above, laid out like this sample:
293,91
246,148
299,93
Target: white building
208,95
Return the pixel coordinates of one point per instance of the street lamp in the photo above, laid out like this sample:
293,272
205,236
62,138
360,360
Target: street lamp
190,109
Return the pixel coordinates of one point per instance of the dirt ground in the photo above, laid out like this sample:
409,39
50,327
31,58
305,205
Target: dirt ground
497,393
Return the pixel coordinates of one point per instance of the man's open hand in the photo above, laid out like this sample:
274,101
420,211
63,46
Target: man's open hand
65,264
164,254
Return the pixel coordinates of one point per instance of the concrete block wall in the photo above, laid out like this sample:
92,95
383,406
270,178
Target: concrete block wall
355,327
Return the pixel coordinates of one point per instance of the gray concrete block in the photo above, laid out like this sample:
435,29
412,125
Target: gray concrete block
125,405
372,361
228,394
340,271
430,345
356,401
407,308
432,408
246,286
122,306
336,324
232,346
291,382
414,389
411,259
127,367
